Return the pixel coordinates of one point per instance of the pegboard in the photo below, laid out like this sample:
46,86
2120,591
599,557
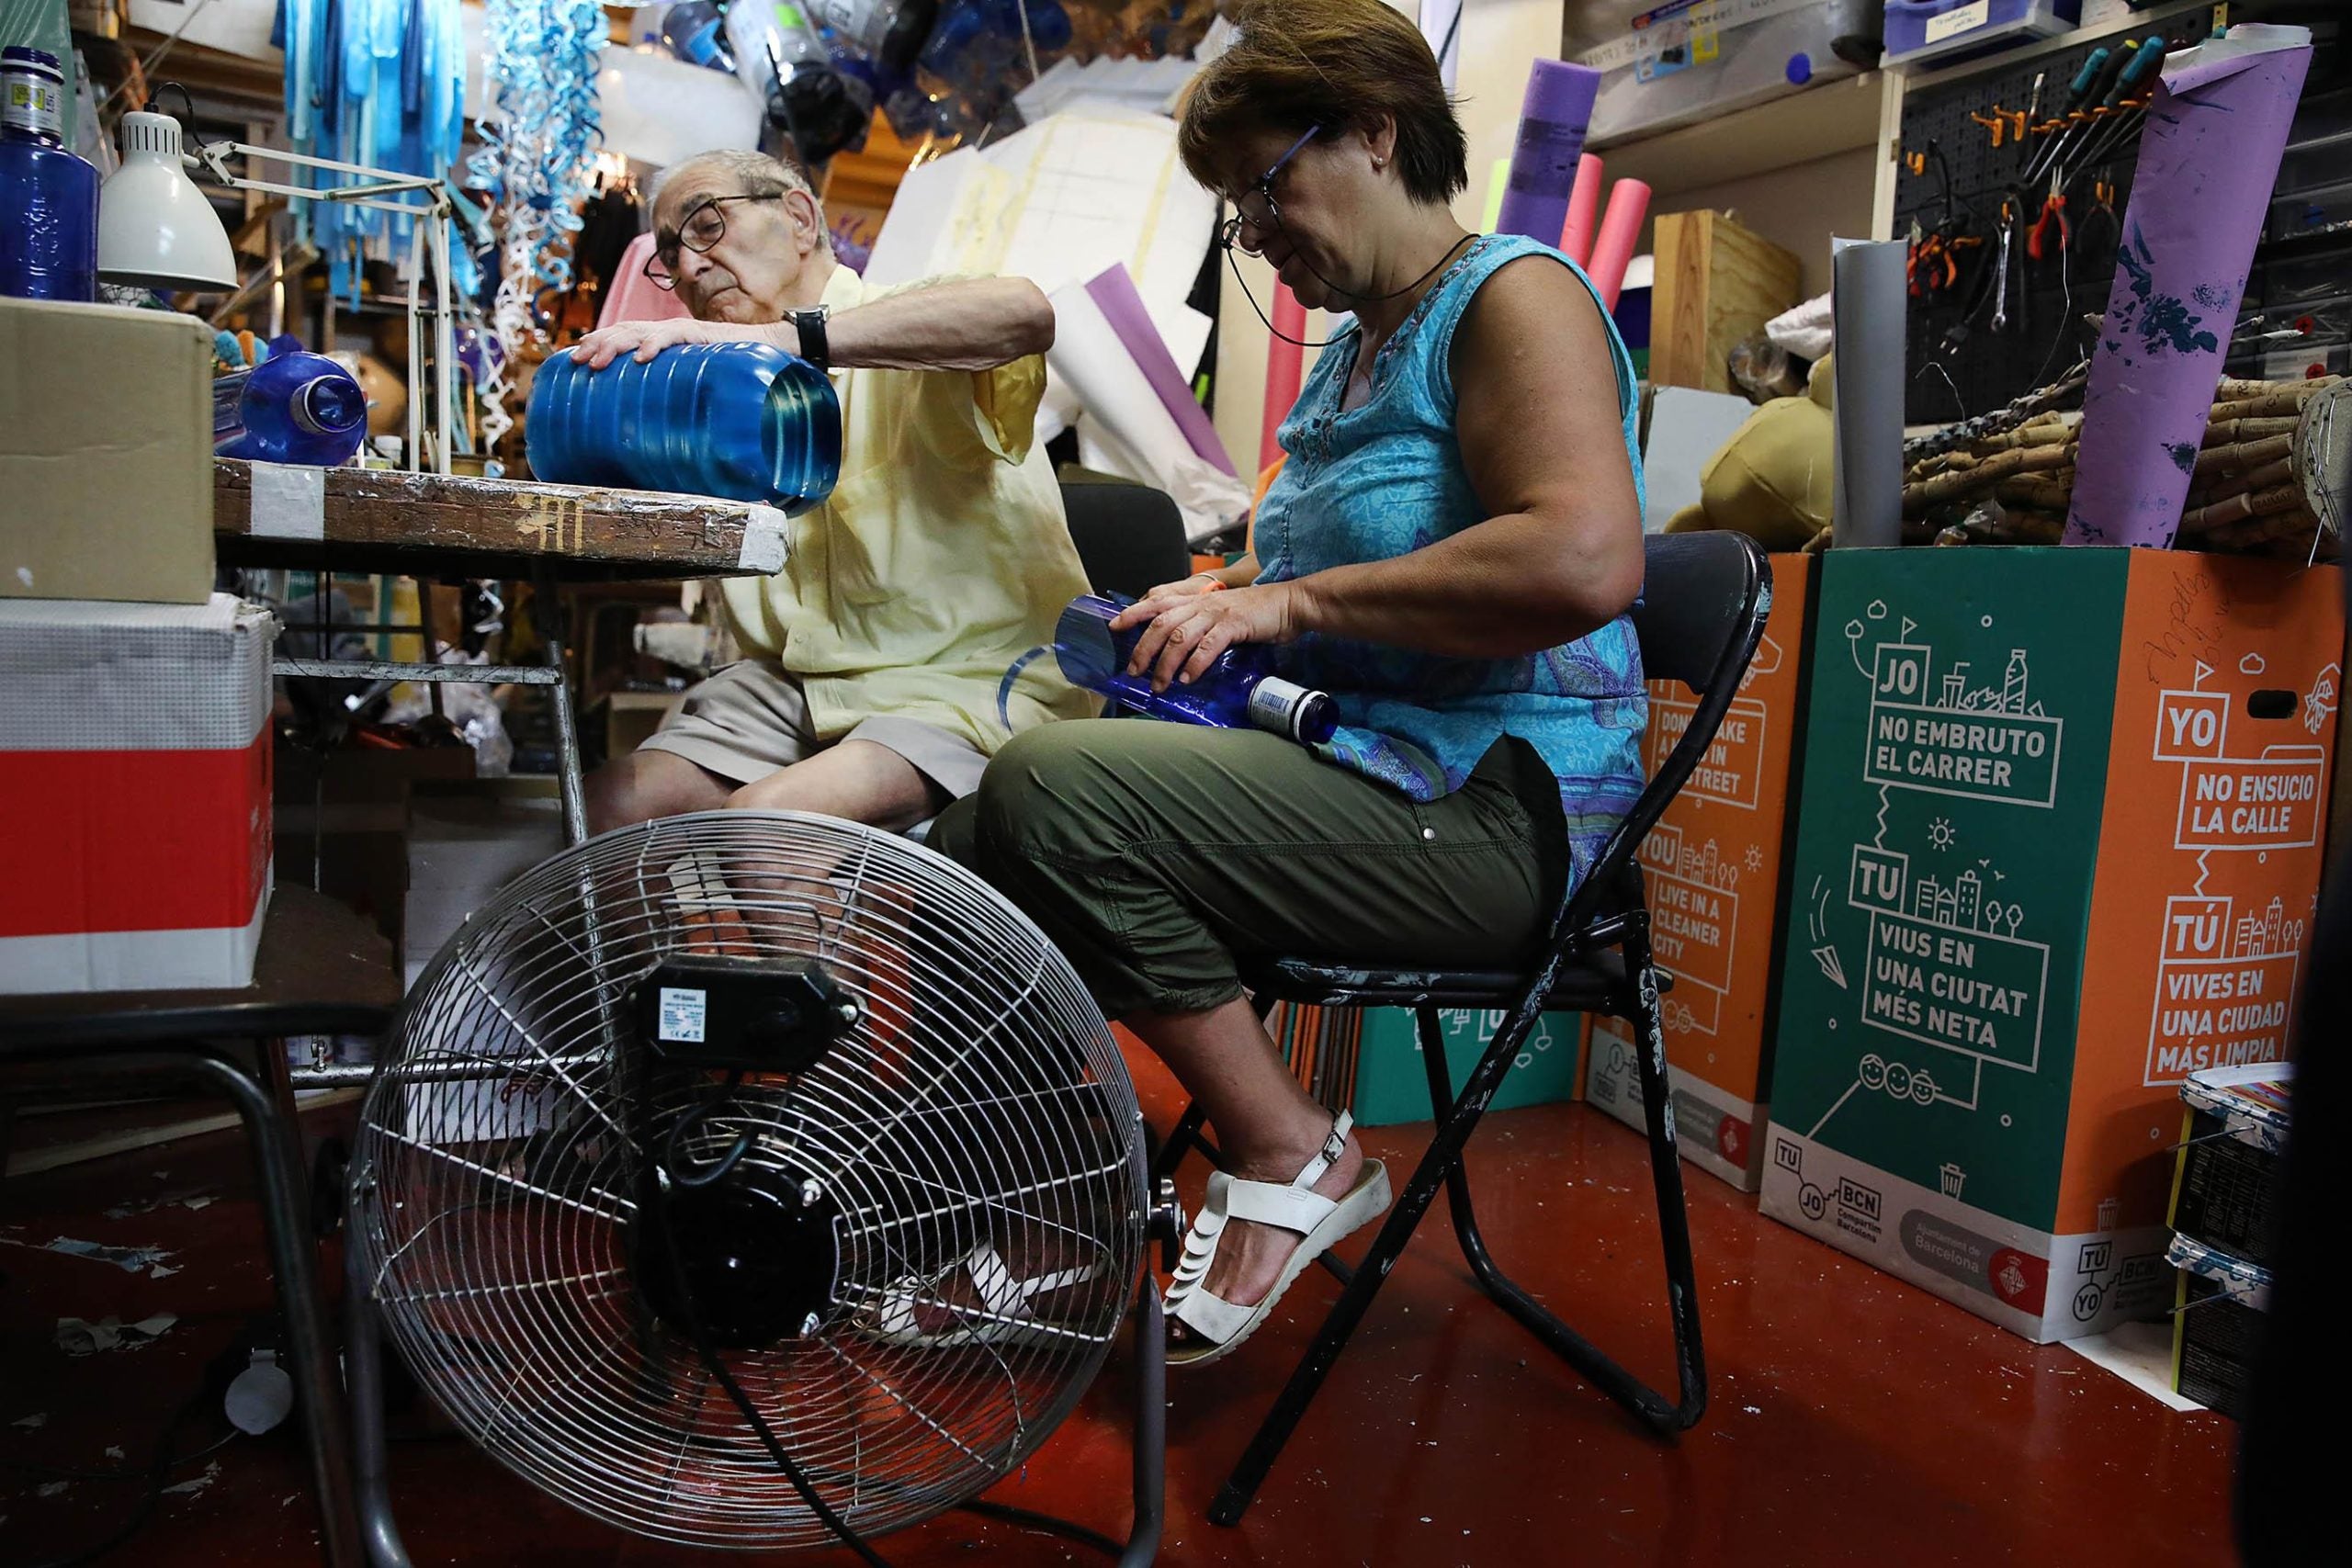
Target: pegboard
1957,366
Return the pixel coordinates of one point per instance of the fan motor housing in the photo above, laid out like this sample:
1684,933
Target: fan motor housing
760,1015
755,1259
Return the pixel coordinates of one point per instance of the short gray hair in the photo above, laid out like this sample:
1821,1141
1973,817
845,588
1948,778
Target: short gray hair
757,172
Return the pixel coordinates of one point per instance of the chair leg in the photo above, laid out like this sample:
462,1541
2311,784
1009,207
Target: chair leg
1181,1140
1665,1178
1437,1163
1571,1347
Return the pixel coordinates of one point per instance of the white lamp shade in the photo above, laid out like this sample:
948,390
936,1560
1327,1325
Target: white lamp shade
155,229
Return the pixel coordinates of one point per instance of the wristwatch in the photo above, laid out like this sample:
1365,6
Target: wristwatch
811,324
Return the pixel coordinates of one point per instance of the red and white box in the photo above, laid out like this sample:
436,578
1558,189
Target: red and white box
134,794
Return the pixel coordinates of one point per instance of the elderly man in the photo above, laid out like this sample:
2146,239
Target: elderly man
870,688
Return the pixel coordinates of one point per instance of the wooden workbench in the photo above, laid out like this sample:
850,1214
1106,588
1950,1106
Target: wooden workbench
445,526
442,527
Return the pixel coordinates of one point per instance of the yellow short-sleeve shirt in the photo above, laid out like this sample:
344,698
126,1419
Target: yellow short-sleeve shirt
942,555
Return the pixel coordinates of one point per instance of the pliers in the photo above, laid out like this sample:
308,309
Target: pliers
2054,209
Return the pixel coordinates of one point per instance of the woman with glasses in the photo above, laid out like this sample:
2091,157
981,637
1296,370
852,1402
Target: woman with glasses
1450,551
870,687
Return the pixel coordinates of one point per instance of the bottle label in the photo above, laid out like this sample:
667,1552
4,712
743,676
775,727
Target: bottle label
28,103
1274,705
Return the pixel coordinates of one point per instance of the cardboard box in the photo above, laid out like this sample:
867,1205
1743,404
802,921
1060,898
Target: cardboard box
1713,867
135,780
2059,849
105,454
1368,1060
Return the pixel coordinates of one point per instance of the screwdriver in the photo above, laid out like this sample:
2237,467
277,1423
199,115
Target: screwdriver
2143,65
2080,93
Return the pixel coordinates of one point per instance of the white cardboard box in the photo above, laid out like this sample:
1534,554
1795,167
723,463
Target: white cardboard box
134,784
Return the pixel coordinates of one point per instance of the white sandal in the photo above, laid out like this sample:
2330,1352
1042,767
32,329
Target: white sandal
1003,1312
1320,1222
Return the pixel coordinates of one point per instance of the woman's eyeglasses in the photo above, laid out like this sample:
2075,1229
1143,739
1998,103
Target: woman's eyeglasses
702,229
1256,207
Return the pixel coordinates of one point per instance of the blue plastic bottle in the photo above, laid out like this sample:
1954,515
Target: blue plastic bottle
48,195
741,420
296,408
696,33
1239,691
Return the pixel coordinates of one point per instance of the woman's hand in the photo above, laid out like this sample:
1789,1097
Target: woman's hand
1189,624
642,340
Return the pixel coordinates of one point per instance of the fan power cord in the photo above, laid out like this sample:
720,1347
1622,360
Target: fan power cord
157,1470
716,1365
673,1163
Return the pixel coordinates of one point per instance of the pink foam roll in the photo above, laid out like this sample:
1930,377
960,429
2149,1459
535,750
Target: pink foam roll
1612,250
1584,211
1285,364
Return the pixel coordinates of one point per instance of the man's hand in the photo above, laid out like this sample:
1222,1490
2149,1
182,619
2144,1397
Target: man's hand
1191,624
642,340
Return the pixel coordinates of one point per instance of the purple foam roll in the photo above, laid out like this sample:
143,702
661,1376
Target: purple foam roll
2208,159
1552,120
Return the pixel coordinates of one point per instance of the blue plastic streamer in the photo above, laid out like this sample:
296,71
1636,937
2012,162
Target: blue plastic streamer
379,83
536,161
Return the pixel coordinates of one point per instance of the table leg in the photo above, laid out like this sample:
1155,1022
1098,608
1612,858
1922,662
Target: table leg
547,607
424,619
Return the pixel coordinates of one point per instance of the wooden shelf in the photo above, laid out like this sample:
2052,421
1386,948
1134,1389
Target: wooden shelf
1836,117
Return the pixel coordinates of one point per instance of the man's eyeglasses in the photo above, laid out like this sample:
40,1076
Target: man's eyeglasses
702,229
1256,207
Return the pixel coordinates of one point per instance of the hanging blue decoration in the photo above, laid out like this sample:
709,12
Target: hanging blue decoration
375,83
536,161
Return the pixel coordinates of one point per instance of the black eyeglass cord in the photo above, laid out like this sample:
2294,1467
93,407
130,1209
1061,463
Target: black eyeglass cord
1327,283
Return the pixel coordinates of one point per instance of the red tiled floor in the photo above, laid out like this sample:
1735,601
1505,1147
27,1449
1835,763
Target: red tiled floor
1854,1420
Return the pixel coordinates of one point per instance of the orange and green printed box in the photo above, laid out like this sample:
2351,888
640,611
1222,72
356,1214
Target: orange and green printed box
2060,847
1713,867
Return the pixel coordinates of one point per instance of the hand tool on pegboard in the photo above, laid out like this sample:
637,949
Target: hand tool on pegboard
2078,93
2095,107
2136,91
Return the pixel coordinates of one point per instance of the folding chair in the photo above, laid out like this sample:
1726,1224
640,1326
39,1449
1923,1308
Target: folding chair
1703,606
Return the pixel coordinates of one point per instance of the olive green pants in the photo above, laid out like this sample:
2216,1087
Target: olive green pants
1158,856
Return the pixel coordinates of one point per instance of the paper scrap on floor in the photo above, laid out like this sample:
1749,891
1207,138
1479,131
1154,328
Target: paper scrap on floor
2139,1353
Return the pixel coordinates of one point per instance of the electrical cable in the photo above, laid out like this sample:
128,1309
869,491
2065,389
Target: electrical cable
708,1353
159,1467
1030,1519
66,1473
674,1160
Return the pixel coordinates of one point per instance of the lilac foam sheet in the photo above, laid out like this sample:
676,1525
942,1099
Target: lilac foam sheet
2208,159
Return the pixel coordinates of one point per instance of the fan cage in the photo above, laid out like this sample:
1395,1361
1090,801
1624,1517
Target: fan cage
976,1119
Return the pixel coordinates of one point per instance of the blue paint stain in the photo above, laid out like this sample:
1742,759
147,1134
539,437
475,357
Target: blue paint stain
2205,294
2183,453
2163,321
2169,323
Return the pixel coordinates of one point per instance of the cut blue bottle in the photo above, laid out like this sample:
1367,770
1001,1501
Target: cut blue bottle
739,421
294,407
1239,690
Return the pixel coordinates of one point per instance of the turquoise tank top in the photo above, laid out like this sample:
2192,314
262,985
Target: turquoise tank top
1377,481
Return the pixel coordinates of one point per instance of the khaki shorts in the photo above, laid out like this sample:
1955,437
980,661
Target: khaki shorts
751,719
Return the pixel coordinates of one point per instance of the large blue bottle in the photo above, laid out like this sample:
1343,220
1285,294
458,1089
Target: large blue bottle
295,408
1239,691
741,420
48,197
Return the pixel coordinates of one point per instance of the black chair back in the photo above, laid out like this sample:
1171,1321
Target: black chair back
1130,537
1705,598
